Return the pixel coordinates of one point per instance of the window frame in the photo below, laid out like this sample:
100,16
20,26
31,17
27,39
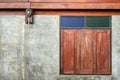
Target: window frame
110,28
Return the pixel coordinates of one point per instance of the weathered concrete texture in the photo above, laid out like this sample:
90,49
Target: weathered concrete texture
84,77
116,46
11,28
42,52
42,48
33,53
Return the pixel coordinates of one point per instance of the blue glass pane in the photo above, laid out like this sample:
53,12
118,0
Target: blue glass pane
72,21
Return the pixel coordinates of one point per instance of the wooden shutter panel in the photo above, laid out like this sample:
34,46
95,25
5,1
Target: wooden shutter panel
84,52
67,50
103,51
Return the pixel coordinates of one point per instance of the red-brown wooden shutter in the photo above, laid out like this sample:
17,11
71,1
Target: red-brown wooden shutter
103,51
68,51
85,51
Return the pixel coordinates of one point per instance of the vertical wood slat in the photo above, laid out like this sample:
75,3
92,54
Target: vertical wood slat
68,51
84,58
103,51
86,50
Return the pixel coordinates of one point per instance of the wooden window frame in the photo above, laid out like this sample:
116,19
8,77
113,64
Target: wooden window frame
61,63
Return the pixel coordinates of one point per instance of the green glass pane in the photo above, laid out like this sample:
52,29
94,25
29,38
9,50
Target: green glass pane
97,21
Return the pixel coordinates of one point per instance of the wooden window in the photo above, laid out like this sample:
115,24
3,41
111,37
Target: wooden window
85,50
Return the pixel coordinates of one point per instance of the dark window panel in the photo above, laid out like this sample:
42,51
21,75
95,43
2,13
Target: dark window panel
72,21
98,21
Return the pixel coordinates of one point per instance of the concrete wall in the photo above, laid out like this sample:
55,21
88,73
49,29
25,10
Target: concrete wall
31,52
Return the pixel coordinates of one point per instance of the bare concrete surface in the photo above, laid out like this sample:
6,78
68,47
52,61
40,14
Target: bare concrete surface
32,52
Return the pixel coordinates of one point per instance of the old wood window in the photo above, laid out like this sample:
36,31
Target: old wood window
85,44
